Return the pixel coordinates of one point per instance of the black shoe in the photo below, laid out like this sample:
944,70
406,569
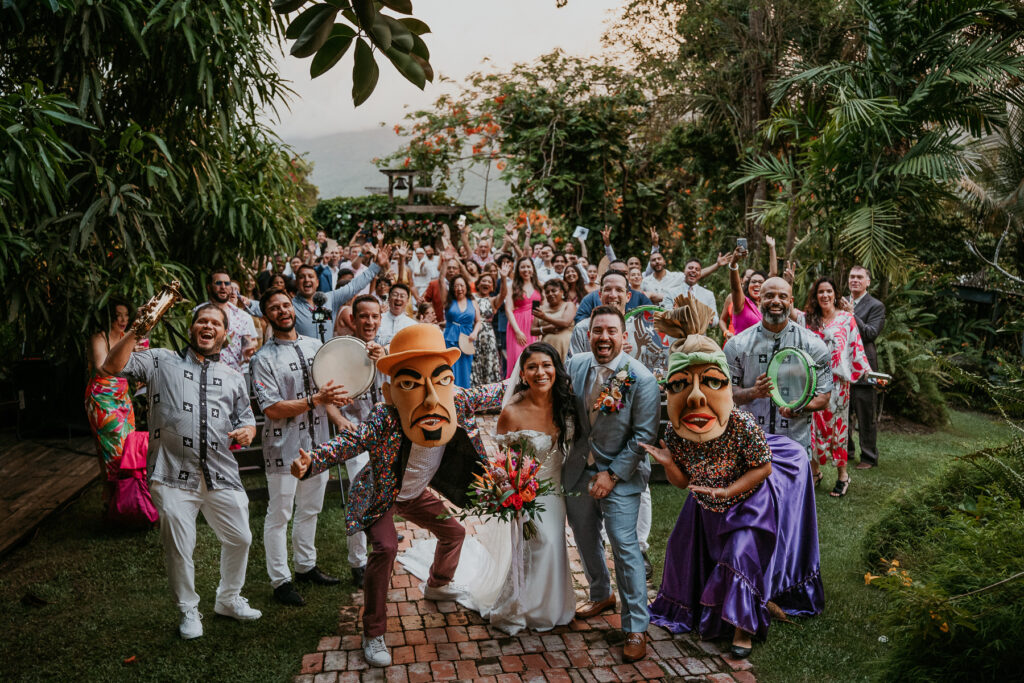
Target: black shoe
401,538
648,569
740,652
357,576
316,576
287,595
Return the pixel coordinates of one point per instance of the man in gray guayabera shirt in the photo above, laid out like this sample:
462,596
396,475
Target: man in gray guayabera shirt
197,407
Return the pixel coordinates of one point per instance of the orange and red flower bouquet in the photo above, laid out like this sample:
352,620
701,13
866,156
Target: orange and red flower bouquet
509,487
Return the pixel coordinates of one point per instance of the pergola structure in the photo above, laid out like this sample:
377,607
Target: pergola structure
404,180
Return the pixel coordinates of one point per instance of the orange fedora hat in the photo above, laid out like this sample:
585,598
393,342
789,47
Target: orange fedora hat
422,339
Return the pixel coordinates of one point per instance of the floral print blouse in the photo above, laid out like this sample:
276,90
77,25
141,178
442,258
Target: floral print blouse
720,462
841,336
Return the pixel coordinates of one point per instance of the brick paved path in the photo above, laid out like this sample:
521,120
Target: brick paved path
442,641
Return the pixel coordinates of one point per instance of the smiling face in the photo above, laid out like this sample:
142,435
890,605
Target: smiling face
657,262
485,285
422,389
755,285
307,282
776,301
553,295
614,291
558,263
538,371
208,331
459,288
607,335
826,297
858,281
279,313
692,272
634,262
398,299
366,319
699,402
220,288
636,278
525,269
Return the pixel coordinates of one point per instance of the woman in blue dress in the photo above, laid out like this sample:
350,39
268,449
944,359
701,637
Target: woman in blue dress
460,318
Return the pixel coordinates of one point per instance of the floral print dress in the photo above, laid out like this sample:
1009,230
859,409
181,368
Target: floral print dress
829,427
487,367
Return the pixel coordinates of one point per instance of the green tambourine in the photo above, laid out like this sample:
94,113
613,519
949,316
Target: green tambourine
794,378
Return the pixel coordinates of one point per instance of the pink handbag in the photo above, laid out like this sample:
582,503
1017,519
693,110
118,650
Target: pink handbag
131,506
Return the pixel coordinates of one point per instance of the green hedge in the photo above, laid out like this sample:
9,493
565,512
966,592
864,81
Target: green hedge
941,552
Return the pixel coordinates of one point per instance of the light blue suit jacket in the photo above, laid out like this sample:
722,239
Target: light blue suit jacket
615,438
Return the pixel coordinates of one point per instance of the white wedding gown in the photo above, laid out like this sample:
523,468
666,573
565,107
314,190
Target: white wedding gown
547,599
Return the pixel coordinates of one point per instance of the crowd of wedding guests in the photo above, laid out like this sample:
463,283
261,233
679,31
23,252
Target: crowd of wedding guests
492,298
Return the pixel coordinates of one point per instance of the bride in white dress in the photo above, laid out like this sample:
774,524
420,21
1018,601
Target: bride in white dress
539,406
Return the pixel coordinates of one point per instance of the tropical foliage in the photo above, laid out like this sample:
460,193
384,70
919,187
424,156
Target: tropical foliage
883,138
950,556
319,35
133,155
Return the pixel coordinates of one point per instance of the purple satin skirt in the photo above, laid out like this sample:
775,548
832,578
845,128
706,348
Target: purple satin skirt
722,568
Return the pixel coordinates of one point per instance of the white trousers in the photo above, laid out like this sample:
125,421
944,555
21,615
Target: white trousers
227,513
307,497
357,541
643,521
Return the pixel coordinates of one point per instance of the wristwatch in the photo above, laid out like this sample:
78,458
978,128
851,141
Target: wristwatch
614,477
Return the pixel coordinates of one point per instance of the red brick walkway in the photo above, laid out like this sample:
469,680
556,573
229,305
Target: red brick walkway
442,642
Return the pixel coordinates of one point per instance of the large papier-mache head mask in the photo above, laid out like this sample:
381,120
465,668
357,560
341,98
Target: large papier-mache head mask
422,386
697,379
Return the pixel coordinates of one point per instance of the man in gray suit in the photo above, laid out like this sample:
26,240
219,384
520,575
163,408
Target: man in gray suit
870,315
608,469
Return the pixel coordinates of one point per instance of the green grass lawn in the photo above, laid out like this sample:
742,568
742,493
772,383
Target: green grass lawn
109,599
842,644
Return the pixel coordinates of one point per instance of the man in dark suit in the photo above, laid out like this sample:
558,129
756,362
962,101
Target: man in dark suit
327,274
870,315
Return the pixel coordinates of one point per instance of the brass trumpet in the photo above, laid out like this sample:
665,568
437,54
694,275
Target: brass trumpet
154,309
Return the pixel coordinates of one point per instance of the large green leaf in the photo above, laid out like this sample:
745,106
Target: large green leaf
401,37
316,32
332,51
287,6
401,6
299,24
364,73
415,25
408,67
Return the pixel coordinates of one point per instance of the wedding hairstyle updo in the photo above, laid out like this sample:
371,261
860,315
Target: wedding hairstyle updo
563,401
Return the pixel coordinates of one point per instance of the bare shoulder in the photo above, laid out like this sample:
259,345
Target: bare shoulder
510,418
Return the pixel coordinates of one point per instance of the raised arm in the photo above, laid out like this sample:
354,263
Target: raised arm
339,297
722,260
773,257
735,283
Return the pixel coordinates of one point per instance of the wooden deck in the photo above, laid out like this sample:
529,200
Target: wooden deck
39,478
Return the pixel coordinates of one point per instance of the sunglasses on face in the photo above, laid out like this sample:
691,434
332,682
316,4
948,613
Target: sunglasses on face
221,283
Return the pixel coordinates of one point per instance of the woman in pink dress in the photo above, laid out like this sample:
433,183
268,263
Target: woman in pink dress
746,291
519,309
837,326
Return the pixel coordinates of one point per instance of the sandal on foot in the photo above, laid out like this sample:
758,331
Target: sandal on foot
841,487
817,478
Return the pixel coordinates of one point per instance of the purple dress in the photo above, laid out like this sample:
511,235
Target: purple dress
726,559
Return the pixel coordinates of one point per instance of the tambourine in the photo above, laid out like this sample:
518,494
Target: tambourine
344,360
794,378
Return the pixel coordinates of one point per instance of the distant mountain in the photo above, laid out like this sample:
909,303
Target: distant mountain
343,165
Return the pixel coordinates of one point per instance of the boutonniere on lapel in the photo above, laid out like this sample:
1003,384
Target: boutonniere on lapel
610,400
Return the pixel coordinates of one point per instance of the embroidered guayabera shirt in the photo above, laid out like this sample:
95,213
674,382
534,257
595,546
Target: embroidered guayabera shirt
749,353
283,371
192,407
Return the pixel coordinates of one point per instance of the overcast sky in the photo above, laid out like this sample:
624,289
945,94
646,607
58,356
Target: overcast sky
464,33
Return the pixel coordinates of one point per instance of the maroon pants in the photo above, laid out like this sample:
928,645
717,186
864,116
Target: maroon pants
422,511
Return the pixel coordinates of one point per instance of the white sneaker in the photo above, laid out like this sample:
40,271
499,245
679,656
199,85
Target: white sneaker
449,591
375,652
191,624
237,609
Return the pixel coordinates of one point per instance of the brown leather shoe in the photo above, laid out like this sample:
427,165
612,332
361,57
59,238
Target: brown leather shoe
592,609
863,465
635,647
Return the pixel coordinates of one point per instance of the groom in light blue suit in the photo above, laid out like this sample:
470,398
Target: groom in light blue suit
609,470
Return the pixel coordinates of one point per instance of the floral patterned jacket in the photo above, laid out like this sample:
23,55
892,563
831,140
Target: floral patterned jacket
376,487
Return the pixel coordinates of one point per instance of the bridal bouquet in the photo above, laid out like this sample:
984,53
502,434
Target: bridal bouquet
509,487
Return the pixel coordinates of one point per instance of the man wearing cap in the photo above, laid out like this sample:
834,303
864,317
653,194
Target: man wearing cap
426,435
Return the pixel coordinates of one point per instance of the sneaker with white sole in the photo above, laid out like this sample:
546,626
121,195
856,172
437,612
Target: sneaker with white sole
237,609
375,652
191,624
449,591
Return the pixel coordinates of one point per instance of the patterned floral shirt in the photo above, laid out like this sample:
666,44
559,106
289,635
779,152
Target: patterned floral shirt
842,337
376,487
720,462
